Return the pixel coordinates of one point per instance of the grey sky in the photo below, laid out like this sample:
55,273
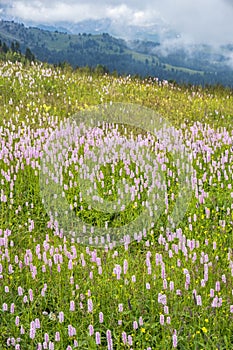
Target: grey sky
208,21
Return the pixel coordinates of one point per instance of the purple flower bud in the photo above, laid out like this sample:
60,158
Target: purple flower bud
32,330
124,337
91,329
130,340
140,321
4,307
57,336
72,305
101,317
71,330
90,305
51,345
30,294
70,265
12,308
161,320
199,301
20,291
217,286
125,266
97,338
17,321
174,339
133,279
109,340
61,316
171,285
120,307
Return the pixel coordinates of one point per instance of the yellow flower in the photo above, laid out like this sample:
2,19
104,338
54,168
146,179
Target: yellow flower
143,330
204,330
46,108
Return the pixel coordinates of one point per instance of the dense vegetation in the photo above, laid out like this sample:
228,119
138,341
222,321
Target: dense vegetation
165,288
13,53
140,59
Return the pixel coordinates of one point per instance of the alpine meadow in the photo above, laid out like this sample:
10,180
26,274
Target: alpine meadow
168,286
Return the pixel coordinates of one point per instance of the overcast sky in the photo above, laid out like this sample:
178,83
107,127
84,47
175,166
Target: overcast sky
208,21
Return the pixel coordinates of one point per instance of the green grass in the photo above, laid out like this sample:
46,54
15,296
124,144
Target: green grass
56,271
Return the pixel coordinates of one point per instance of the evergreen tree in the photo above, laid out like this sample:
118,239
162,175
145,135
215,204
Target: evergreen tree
13,46
17,47
29,55
5,48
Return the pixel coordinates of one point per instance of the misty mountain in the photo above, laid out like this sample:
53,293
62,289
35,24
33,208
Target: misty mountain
196,65
156,40
156,32
159,31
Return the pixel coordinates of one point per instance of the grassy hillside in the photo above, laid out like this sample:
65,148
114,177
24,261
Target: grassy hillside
158,289
114,54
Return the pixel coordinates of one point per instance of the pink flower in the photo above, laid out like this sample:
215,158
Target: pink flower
161,320
124,337
57,336
72,305
97,338
101,317
17,319
109,340
61,316
90,305
174,339
120,307
91,329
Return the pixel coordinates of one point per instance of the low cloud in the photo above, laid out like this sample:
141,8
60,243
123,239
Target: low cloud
73,11
35,11
206,21
199,21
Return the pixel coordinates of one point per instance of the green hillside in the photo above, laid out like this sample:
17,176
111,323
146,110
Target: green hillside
114,54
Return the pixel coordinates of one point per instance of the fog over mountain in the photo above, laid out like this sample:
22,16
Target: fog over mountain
199,21
177,25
